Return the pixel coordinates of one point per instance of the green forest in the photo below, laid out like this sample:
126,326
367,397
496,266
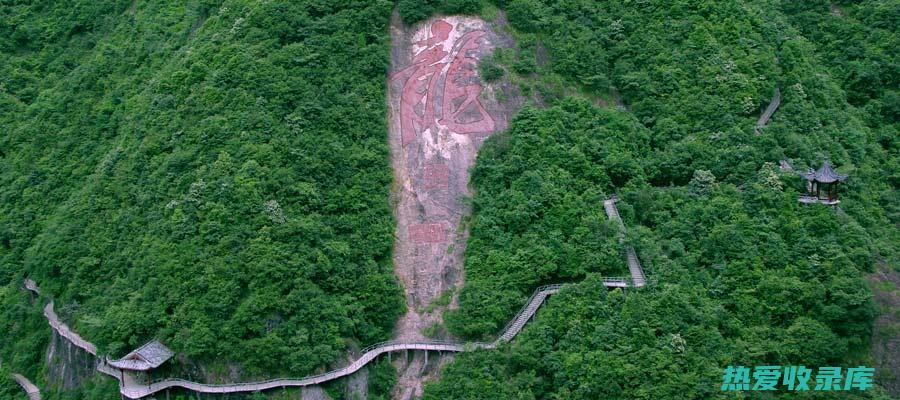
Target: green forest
215,174
745,274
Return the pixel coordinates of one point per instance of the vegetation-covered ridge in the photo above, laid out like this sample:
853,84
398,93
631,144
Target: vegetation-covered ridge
212,173
748,276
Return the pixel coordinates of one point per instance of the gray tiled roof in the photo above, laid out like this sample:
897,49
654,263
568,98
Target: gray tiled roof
148,356
825,174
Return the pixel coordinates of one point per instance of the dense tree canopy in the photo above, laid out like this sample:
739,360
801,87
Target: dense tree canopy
212,174
538,212
745,275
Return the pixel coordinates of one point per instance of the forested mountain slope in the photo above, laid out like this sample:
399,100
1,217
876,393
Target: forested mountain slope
214,174
745,275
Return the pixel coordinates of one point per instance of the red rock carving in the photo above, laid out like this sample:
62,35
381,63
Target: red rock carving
428,233
436,176
462,113
461,91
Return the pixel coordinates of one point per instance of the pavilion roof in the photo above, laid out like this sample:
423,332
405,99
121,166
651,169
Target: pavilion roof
146,357
825,174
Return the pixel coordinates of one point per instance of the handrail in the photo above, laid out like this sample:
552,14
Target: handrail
367,354
32,391
764,117
391,345
66,332
638,278
549,289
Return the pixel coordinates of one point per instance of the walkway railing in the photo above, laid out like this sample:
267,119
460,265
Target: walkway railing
367,354
67,333
515,325
104,367
512,328
764,117
638,278
30,389
59,326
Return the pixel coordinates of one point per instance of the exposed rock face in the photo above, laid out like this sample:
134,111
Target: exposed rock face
358,385
68,365
440,114
885,345
313,393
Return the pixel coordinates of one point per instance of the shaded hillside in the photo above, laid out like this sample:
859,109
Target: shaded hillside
746,275
213,174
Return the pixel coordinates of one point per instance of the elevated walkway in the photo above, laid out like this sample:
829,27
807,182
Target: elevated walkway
30,389
767,114
135,391
61,328
638,278
67,333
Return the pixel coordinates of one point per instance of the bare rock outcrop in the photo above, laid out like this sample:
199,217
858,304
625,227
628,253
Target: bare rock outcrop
440,114
68,365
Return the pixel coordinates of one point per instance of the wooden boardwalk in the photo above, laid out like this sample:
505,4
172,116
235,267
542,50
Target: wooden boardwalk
30,389
764,117
59,326
67,333
515,325
367,355
634,264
